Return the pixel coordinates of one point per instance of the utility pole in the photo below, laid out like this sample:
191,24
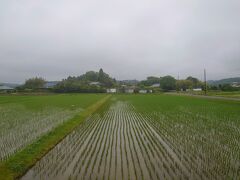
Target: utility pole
205,82
178,84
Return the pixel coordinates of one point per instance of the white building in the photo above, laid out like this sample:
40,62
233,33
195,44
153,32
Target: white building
50,84
197,89
5,88
130,91
143,91
194,89
112,90
95,83
156,85
235,84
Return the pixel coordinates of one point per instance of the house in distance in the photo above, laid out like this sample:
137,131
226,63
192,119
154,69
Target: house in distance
112,90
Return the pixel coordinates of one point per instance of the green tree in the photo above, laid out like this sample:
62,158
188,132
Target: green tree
195,82
168,83
149,81
184,84
153,80
105,79
101,76
91,76
34,83
82,83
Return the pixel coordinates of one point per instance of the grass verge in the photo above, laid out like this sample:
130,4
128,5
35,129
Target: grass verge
19,163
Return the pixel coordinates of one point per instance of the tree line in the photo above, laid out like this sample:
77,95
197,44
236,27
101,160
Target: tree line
168,83
98,82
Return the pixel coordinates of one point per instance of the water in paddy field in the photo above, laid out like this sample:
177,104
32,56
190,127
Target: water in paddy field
20,127
118,144
110,146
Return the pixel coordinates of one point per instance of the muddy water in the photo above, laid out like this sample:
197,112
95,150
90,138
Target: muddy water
118,145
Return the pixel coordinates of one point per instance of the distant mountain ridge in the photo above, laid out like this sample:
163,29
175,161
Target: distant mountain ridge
12,85
224,81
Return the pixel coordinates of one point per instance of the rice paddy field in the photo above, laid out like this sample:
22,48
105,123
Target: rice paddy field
23,119
136,137
234,94
210,93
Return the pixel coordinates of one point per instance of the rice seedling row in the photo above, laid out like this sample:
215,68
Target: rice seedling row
25,119
133,140
202,133
108,145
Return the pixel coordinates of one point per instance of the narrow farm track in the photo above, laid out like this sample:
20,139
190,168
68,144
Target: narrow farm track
120,144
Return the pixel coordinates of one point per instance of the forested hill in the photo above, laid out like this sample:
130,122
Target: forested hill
91,81
224,81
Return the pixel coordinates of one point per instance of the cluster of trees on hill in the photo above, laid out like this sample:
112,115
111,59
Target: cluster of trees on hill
189,83
149,81
33,84
91,81
168,83
98,82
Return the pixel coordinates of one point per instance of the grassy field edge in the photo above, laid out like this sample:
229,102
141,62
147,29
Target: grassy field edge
18,164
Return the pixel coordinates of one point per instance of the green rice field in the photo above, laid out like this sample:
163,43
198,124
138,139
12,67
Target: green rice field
129,137
23,119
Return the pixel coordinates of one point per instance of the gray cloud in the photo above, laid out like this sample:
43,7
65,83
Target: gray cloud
128,39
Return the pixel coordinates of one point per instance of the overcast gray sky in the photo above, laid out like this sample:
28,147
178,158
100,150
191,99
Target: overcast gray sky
129,39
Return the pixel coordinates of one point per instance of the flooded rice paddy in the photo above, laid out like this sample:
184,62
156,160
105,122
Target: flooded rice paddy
118,145
20,127
121,143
